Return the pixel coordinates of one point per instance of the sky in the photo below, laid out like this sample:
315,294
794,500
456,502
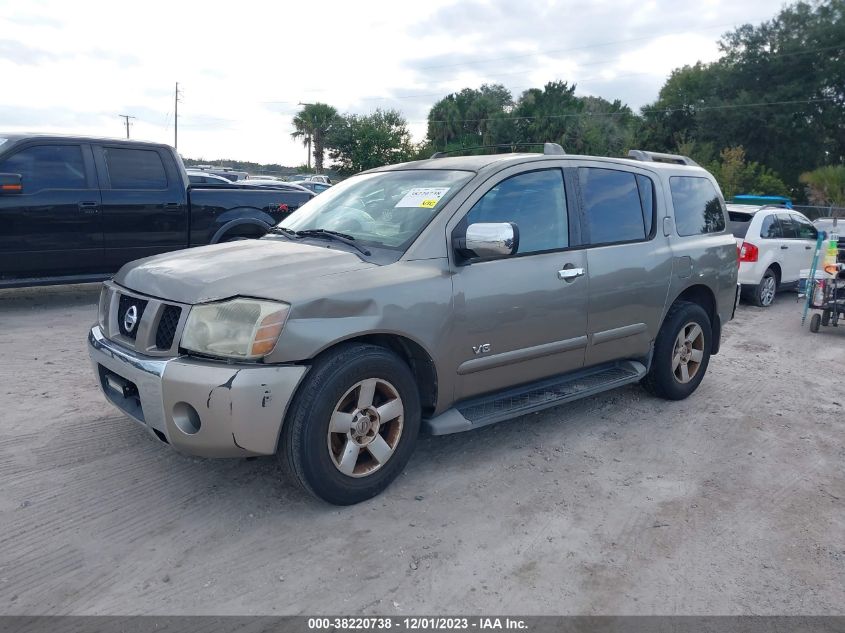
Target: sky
243,67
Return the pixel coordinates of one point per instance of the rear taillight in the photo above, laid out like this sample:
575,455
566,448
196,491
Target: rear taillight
748,252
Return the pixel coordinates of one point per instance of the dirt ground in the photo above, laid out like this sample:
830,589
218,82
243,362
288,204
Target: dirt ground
730,502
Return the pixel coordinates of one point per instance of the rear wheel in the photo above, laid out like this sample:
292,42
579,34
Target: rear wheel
764,293
681,352
353,424
815,321
826,318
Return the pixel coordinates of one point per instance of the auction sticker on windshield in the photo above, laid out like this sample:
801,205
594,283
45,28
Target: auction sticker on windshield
426,197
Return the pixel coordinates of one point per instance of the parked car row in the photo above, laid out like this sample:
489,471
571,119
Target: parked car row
314,183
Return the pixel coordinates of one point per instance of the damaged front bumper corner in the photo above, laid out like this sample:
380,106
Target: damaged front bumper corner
203,408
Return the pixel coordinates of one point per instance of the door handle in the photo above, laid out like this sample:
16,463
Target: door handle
172,206
89,208
807,248
783,248
568,274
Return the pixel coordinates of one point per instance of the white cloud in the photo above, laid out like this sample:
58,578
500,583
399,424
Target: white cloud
74,67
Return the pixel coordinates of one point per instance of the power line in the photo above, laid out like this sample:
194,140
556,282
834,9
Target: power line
576,81
610,61
574,48
586,47
650,111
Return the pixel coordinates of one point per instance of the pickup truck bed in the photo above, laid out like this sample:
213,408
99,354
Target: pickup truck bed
87,206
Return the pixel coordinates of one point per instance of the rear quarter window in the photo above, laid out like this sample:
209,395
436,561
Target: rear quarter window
698,208
770,228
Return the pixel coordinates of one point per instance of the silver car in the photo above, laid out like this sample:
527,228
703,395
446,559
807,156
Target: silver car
440,295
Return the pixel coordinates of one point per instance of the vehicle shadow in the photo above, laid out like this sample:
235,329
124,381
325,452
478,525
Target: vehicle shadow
438,460
41,297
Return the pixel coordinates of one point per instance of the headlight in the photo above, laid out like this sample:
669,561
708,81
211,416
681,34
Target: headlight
239,328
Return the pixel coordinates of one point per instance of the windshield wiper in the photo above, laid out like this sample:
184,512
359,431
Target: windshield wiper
283,231
334,235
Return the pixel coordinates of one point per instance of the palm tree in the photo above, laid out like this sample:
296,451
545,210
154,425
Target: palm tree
312,124
826,185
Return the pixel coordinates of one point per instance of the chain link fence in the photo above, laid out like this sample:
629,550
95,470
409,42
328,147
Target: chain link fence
814,213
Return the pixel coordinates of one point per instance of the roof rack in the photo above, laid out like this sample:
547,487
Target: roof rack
549,149
657,157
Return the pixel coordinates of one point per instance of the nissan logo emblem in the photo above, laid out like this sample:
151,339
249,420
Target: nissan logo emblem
130,319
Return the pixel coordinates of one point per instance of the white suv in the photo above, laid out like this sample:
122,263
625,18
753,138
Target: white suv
775,245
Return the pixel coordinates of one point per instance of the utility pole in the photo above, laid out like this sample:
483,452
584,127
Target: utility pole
126,118
176,96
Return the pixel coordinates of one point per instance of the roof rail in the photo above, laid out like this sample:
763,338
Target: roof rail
549,149
657,157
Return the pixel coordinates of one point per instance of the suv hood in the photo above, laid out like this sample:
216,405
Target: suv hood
266,268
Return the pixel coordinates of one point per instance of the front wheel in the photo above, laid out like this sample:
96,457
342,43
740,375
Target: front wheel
353,424
681,352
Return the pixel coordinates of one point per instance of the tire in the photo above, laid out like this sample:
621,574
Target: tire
320,458
826,318
815,321
764,294
665,378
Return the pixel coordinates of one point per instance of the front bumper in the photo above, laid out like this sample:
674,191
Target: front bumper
198,407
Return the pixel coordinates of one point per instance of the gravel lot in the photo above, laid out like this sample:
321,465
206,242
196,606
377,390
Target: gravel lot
730,502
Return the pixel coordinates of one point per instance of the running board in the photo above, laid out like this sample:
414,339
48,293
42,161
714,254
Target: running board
535,396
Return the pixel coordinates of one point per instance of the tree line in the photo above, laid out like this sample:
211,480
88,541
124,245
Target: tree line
764,118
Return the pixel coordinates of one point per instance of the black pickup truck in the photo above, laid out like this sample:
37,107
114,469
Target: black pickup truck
76,209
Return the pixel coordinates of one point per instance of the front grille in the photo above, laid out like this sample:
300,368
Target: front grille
167,326
129,326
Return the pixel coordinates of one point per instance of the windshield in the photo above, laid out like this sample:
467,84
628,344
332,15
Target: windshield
382,209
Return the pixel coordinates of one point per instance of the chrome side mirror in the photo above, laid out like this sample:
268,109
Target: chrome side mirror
492,239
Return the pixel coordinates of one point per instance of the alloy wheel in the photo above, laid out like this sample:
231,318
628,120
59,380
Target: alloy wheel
688,352
767,292
365,427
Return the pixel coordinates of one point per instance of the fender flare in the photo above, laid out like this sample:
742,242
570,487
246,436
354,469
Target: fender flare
235,223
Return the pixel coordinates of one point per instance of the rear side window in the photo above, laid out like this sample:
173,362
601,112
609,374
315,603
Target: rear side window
535,202
806,230
48,167
618,205
789,229
770,229
697,206
135,168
